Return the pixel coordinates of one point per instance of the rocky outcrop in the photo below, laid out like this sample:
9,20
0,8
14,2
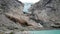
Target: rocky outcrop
47,11
9,7
12,17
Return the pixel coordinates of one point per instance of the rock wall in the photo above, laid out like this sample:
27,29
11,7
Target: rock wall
47,11
12,17
12,7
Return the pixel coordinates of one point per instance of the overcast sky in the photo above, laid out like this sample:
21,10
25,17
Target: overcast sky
29,1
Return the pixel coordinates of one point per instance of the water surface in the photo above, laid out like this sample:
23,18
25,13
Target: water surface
45,32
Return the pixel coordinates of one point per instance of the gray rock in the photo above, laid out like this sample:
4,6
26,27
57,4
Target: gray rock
12,17
9,6
48,11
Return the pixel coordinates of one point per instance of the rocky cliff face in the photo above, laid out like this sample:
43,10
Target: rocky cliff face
12,17
47,11
9,7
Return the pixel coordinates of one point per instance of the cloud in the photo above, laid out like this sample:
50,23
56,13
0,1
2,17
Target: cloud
29,1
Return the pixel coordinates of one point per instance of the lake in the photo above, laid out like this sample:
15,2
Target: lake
45,32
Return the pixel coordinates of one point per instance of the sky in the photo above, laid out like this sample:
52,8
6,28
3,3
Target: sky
29,1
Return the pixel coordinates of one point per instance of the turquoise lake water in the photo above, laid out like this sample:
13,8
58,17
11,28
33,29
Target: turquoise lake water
45,32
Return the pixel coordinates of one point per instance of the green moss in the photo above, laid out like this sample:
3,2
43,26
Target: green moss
11,33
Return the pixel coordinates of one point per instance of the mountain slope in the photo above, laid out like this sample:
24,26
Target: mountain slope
47,11
9,7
